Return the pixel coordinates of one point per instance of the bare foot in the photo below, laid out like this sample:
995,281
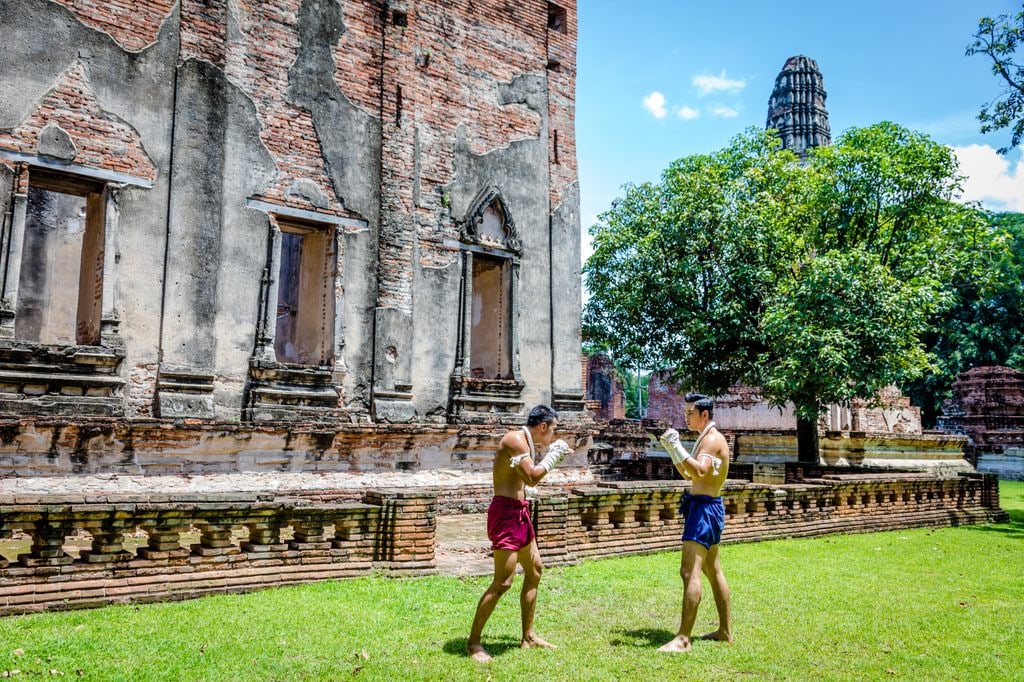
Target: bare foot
535,642
718,636
679,645
477,653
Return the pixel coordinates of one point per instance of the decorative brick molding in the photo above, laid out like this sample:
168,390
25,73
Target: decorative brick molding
390,530
636,517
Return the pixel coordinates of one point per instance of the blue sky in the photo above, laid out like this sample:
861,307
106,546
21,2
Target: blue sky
898,60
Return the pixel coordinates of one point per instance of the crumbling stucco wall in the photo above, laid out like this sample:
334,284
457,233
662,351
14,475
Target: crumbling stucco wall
209,122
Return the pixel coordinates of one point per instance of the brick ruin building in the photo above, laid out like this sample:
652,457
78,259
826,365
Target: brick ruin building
988,407
606,399
299,235
883,433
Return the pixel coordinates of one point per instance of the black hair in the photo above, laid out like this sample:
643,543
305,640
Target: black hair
702,403
540,415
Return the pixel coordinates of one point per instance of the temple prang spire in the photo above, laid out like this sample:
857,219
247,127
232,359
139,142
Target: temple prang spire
797,106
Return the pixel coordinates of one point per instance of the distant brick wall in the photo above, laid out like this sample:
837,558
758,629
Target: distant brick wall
664,401
988,407
603,388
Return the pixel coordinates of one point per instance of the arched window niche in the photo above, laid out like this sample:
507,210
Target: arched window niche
486,377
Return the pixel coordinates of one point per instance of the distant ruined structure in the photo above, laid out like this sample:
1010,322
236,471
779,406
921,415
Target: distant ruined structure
797,106
605,396
988,407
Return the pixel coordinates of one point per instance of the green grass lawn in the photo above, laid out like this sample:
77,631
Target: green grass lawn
924,604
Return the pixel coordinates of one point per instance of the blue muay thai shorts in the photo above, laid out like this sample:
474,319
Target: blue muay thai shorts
704,519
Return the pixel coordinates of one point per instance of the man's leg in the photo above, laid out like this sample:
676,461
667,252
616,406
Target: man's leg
713,570
690,569
529,557
504,574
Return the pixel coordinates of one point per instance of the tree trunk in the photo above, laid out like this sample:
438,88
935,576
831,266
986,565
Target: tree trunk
807,440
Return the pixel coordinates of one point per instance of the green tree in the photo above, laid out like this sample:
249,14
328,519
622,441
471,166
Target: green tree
998,39
986,324
815,282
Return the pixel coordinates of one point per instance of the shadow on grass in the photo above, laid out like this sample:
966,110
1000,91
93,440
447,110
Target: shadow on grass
1014,529
643,638
495,647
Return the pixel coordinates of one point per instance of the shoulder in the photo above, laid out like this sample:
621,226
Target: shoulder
514,442
718,443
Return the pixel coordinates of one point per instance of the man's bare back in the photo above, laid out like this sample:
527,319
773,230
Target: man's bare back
507,480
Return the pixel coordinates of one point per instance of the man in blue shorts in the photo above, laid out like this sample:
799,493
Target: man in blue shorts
704,516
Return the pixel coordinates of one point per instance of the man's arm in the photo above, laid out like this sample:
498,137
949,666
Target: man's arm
531,473
708,462
688,466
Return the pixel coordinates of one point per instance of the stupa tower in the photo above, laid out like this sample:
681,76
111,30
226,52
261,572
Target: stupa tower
797,106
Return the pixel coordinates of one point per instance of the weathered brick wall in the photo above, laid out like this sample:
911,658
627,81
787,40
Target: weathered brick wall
987,406
133,24
54,447
441,73
380,117
561,54
633,517
395,530
604,388
664,401
390,530
101,139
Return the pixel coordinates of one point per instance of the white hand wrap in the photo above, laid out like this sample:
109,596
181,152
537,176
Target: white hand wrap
670,442
556,451
514,461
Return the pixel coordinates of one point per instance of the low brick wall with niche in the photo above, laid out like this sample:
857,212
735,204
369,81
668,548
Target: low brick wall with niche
619,518
391,530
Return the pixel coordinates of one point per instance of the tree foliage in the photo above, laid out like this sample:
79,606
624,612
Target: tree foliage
985,326
816,282
999,39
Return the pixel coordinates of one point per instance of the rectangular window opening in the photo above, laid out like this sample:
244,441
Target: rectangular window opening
490,339
398,106
304,330
556,18
60,286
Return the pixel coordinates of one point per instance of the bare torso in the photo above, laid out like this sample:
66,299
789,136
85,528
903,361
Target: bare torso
712,446
507,481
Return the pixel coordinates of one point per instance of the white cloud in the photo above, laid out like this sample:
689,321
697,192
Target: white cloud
707,84
722,111
992,179
687,113
655,103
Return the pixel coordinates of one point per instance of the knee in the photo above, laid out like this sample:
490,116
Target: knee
534,573
503,586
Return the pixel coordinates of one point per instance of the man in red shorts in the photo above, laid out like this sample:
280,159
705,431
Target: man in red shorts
508,523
